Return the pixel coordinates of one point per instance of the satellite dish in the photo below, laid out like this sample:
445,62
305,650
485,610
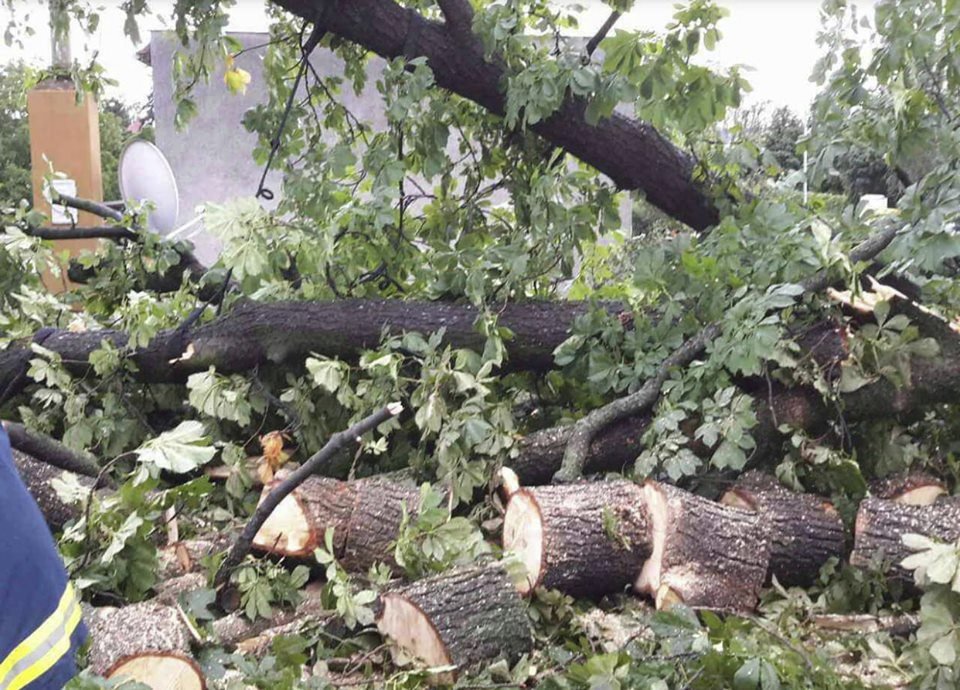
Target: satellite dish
145,175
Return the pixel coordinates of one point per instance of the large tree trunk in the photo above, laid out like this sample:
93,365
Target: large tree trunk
803,531
881,525
587,539
459,618
705,555
254,334
632,153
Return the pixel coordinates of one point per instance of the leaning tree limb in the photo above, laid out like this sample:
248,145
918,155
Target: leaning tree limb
630,152
601,34
313,465
585,429
97,232
50,451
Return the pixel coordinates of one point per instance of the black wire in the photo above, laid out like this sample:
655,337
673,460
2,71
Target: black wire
263,192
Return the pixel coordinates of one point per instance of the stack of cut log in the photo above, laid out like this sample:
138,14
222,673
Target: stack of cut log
587,539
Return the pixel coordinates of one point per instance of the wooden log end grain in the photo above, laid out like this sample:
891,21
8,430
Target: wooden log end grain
586,539
147,643
915,489
297,525
460,618
803,531
704,555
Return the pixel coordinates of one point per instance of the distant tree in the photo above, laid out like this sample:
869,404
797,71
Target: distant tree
14,134
780,137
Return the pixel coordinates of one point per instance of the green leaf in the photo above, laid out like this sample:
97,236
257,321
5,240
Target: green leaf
179,450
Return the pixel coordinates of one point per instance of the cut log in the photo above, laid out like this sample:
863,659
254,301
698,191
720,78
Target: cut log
586,539
903,625
375,522
881,524
297,525
365,516
460,618
39,477
147,643
803,531
186,556
915,489
704,555
168,591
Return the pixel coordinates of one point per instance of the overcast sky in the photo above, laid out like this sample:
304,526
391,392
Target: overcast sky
777,38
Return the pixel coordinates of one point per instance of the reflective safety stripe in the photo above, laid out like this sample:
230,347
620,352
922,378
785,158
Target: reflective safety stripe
44,647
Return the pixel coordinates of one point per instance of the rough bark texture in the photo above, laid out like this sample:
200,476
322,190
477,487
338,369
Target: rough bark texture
254,334
375,522
127,641
38,478
586,539
473,614
632,153
235,629
705,555
365,516
803,531
183,557
881,524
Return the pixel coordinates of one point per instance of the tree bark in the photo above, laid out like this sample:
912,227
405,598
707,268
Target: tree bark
916,489
704,555
254,334
881,524
585,539
630,152
365,516
803,531
38,478
459,618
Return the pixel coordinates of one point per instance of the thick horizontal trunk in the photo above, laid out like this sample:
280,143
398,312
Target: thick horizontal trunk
881,524
254,334
586,539
631,153
459,618
915,489
705,555
803,531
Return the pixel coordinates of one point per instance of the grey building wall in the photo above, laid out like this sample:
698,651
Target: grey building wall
212,158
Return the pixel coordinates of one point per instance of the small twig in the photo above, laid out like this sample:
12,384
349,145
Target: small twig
242,546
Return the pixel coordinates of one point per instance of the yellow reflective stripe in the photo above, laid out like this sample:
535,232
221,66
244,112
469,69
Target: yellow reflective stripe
53,623
45,662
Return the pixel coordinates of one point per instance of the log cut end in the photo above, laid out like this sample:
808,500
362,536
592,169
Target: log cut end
457,619
523,536
916,489
159,671
649,580
412,632
288,530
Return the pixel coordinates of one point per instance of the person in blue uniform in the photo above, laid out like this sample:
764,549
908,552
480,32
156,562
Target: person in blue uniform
40,621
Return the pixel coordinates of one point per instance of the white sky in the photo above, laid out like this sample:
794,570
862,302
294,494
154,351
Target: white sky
777,38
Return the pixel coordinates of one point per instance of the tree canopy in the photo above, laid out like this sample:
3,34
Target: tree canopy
466,260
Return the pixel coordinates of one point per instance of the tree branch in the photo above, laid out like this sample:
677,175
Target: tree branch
312,466
586,428
106,232
601,34
49,451
630,152
458,15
